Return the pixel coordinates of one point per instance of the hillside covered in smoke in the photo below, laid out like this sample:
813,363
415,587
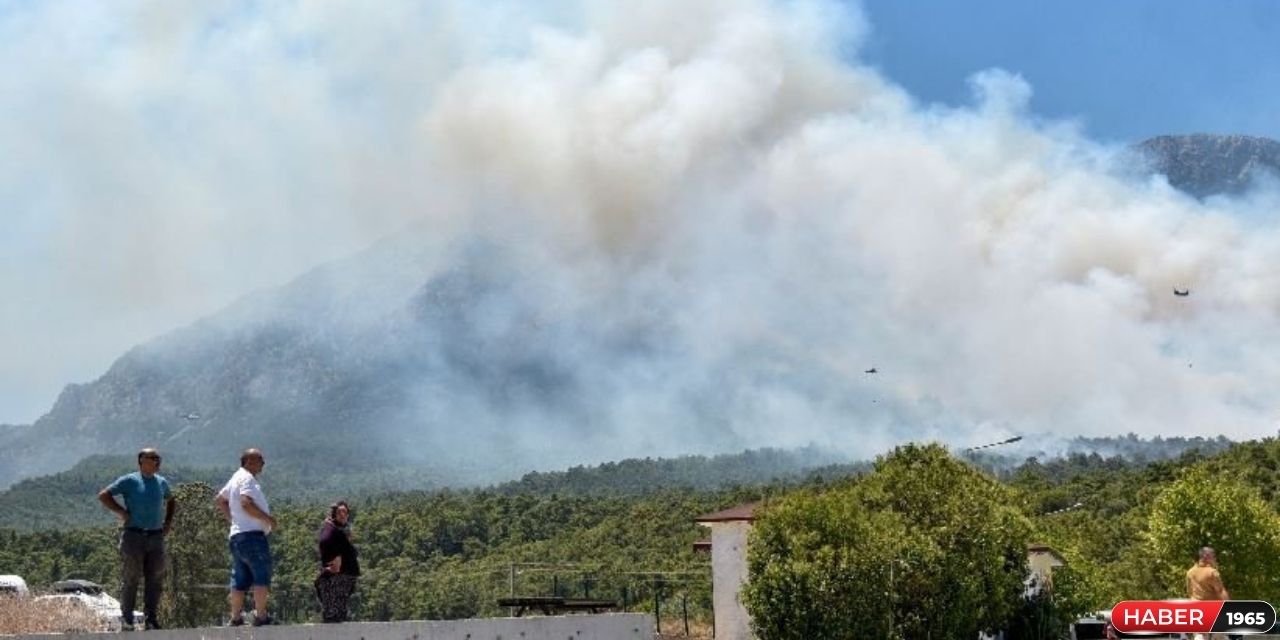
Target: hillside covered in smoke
56,501
657,234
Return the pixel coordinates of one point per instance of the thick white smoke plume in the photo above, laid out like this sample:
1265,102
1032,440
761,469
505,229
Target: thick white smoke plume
725,174
998,272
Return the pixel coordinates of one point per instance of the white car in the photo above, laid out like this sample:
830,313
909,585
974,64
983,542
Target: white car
13,586
1094,626
83,593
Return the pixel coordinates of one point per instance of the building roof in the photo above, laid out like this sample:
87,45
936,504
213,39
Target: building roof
1044,548
740,513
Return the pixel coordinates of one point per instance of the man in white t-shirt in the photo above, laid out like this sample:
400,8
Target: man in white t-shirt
242,502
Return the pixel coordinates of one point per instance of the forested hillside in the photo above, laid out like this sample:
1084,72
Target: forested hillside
441,555
453,553
67,499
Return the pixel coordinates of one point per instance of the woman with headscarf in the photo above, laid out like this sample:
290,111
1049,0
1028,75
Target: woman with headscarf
339,565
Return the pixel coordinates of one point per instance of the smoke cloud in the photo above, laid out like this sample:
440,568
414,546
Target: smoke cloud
765,216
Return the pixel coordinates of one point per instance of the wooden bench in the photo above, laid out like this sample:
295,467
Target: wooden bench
549,605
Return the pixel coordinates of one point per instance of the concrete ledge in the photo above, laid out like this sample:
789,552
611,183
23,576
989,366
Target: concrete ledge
609,626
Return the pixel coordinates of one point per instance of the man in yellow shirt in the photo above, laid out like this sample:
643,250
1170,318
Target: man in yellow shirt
1205,583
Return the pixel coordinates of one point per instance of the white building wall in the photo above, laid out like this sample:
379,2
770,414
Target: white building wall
614,626
728,573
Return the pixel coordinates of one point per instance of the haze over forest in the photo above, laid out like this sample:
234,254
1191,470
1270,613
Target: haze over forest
605,234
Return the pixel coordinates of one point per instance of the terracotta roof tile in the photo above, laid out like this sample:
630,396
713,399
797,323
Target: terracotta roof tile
742,512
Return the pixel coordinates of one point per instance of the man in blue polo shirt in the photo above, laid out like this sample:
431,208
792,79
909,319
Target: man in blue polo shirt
147,514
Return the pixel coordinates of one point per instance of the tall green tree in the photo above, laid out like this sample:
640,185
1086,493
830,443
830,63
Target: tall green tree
820,567
197,565
1207,508
925,546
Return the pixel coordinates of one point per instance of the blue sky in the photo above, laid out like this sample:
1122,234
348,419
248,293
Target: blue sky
1126,69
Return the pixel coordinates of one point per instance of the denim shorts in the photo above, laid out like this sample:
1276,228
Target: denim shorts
250,560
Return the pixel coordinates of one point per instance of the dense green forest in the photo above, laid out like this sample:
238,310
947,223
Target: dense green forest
626,530
430,555
64,500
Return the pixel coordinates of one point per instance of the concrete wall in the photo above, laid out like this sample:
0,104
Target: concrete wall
728,573
611,626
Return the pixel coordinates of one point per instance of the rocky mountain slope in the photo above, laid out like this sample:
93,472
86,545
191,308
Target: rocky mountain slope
1204,165
470,360
473,370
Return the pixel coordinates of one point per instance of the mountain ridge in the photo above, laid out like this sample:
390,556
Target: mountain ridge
1204,164
461,357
